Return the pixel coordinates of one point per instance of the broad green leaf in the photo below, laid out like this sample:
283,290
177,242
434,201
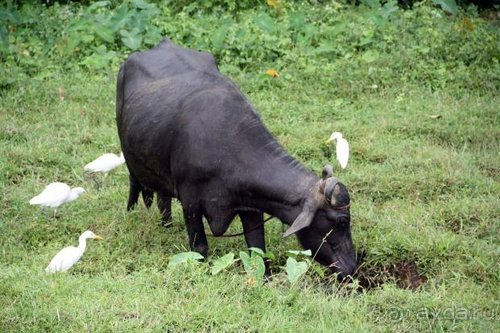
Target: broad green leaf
152,38
324,47
298,252
98,4
258,267
254,265
219,36
370,56
295,269
245,259
265,22
306,34
73,41
449,6
105,34
131,40
222,263
365,41
4,38
389,7
87,38
257,250
120,18
141,4
184,257
378,18
375,4
96,61
297,19
261,253
269,255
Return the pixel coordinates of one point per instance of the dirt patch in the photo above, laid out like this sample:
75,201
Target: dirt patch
489,171
407,276
404,274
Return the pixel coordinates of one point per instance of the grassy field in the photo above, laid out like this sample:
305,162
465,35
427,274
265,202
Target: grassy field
423,177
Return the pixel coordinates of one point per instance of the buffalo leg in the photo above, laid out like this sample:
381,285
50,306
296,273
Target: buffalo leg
253,227
147,196
194,224
135,190
165,207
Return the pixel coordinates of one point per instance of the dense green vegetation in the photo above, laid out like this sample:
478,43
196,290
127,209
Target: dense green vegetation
415,92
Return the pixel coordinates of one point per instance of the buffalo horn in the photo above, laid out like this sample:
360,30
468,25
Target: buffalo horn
327,172
330,184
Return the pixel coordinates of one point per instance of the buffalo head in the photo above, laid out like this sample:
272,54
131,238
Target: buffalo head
323,226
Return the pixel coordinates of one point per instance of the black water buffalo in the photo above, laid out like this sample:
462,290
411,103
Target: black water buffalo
188,132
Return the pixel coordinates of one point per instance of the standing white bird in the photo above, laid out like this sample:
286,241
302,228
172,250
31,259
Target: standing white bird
342,148
56,194
69,256
105,163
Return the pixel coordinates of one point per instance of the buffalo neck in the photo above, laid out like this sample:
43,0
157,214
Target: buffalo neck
274,182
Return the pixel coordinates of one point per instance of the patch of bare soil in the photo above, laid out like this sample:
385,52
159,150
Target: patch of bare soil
404,273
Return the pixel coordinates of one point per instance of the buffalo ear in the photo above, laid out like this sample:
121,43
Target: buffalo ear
327,172
304,219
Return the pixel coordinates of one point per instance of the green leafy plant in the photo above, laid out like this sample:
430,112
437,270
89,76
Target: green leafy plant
294,268
8,17
184,257
449,6
253,264
102,27
222,263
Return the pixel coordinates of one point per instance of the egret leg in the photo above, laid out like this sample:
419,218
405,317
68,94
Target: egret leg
94,179
44,212
103,180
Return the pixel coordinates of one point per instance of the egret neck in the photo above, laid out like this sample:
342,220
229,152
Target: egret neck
75,193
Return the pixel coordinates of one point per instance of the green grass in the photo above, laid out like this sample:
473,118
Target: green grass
424,190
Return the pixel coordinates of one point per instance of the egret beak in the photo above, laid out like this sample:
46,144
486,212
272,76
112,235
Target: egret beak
328,141
98,237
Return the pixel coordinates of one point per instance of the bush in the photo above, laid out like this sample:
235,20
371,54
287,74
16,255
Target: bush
354,48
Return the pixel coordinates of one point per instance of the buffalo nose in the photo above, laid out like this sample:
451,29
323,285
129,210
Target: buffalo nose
345,274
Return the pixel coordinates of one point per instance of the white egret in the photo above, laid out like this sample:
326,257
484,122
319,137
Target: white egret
56,194
69,256
105,163
342,148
